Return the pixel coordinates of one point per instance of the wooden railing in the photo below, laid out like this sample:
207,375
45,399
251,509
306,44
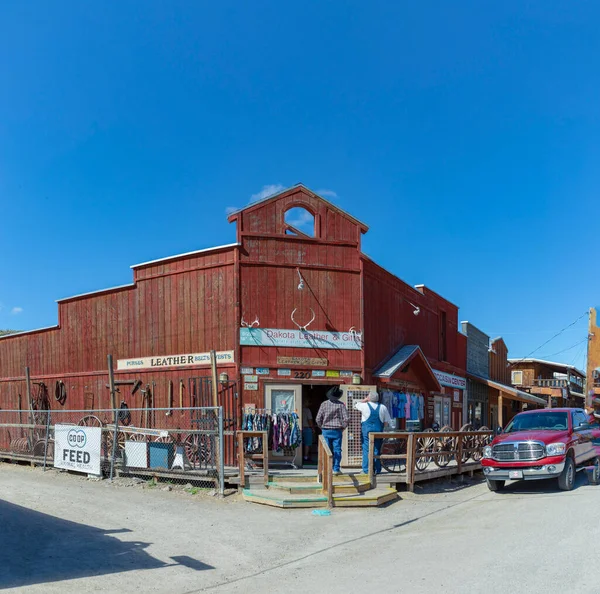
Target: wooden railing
426,451
325,469
243,456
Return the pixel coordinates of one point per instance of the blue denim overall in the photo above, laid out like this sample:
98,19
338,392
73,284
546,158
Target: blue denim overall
373,423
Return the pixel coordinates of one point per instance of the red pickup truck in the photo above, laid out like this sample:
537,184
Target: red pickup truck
541,444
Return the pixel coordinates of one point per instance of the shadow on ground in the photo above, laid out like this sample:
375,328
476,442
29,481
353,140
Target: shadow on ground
39,548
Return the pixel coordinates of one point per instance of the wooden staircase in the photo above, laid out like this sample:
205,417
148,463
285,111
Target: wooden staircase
291,491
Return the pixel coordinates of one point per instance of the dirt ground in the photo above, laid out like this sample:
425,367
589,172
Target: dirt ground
65,533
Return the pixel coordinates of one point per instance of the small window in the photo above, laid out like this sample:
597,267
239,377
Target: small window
517,378
298,221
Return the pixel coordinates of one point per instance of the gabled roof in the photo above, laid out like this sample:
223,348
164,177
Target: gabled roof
552,364
401,358
278,195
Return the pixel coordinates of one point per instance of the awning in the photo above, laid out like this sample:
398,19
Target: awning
511,393
409,356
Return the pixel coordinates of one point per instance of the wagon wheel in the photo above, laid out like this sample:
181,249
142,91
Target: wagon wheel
482,441
167,439
392,447
40,446
121,439
425,445
469,443
90,421
198,449
444,444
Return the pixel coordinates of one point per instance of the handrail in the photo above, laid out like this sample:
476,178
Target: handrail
449,444
325,469
242,456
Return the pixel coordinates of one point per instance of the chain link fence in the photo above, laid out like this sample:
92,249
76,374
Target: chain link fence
182,447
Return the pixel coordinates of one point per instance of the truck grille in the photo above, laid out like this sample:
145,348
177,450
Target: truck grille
518,451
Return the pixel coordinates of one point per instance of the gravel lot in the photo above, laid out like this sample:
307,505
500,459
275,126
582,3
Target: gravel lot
64,533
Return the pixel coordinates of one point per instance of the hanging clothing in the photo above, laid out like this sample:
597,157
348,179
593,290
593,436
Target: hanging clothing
421,406
407,407
401,406
414,407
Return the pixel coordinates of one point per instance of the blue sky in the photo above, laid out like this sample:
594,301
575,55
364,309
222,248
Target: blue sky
465,134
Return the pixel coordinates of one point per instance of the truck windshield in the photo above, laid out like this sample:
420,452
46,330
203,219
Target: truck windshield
557,421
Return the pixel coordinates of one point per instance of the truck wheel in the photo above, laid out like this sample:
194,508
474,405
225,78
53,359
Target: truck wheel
596,472
566,481
495,485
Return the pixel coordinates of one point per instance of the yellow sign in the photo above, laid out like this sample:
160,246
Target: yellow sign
332,373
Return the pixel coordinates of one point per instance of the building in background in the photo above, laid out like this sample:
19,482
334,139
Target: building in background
491,399
559,384
593,357
478,372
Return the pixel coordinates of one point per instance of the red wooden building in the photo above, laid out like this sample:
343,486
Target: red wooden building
290,312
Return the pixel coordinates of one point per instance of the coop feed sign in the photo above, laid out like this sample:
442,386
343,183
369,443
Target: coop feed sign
77,448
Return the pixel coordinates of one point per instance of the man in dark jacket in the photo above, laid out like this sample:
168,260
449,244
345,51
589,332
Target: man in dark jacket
332,419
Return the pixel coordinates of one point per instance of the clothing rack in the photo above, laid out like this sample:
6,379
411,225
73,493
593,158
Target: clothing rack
276,459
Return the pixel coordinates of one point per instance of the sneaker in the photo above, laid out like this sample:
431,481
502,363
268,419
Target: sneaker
337,472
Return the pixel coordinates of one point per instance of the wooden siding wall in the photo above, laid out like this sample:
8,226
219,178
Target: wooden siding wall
183,306
330,266
499,369
390,322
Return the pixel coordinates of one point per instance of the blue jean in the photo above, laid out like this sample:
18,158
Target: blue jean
333,437
365,449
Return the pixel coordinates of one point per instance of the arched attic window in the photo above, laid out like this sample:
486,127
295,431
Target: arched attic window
300,222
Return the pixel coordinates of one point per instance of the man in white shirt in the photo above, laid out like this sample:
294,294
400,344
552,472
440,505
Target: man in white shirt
374,417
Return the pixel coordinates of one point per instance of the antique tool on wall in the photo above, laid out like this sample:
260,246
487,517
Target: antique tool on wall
60,392
170,404
181,395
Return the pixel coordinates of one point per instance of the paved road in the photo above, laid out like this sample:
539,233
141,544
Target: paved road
63,533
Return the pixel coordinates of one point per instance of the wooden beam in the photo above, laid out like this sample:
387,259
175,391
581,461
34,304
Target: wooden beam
501,409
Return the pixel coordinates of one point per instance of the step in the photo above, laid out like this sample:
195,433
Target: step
283,499
347,486
370,498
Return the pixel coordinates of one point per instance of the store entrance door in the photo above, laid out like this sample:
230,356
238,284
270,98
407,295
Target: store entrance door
285,398
441,410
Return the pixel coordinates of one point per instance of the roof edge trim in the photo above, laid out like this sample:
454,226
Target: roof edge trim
187,254
56,327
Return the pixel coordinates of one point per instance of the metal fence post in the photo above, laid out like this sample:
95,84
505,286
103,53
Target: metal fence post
47,437
114,445
221,462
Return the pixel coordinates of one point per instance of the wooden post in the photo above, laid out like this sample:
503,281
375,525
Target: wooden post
242,465
215,396
549,400
215,379
410,462
500,410
28,380
459,454
265,447
111,387
371,460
